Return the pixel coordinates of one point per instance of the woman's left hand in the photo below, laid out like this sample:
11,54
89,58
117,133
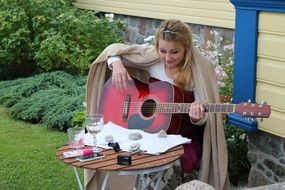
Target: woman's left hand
197,111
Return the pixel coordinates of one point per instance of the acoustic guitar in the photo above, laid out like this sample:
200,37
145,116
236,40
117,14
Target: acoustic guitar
159,105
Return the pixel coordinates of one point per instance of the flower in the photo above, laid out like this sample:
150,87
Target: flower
149,40
237,141
110,16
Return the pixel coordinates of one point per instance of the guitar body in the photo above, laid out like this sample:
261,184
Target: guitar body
134,108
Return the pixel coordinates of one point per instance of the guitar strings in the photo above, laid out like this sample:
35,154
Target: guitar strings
166,107
150,107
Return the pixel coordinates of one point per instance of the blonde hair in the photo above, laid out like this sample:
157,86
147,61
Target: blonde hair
178,31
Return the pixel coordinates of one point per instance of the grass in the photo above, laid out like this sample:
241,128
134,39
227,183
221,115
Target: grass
28,159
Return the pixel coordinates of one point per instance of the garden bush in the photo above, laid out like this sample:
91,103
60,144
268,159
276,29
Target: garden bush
40,36
50,98
237,142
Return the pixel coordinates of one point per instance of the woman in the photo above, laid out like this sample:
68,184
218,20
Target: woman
174,59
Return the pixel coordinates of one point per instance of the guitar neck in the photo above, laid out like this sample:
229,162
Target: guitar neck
185,107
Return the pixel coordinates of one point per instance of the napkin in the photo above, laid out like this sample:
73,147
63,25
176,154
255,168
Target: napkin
77,153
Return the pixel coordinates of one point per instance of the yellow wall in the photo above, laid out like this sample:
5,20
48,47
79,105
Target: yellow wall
218,13
271,70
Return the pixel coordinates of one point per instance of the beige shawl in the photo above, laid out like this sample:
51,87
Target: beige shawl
214,159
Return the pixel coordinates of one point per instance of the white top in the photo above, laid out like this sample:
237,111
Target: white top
154,71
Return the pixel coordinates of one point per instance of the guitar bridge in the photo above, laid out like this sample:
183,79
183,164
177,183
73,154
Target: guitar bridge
126,107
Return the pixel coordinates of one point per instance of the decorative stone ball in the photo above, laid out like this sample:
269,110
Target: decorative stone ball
135,136
134,147
162,134
109,138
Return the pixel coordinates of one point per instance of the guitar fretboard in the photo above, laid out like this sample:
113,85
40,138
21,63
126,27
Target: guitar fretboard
185,107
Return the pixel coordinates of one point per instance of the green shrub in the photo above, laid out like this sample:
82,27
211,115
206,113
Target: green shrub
49,98
39,36
78,118
14,34
237,142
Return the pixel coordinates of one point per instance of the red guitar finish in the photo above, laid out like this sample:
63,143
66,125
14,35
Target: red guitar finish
135,107
151,107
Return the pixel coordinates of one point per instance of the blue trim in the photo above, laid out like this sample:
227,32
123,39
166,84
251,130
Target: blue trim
260,5
247,12
245,56
241,122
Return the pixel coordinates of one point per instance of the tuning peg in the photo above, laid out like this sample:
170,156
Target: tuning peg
264,103
248,118
261,119
251,119
249,101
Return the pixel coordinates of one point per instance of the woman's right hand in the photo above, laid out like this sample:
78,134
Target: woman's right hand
120,75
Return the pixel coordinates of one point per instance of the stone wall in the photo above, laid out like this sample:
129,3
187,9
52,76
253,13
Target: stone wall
138,29
266,153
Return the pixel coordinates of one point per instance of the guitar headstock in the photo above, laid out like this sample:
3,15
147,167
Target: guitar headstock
247,109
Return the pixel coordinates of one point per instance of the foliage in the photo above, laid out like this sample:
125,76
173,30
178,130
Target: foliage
237,142
38,35
28,156
49,98
78,118
221,55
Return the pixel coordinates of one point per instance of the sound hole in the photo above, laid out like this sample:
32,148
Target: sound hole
148,108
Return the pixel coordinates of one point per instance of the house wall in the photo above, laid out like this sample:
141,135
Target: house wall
219,13
267,147
270,75
260,68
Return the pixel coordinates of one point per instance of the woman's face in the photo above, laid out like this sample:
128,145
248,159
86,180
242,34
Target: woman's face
171,53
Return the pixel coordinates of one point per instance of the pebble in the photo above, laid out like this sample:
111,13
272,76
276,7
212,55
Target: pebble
162,134
135,136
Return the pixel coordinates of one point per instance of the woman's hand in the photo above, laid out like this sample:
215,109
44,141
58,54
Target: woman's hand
197,111
120,75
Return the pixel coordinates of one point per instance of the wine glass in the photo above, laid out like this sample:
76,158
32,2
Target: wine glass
94,124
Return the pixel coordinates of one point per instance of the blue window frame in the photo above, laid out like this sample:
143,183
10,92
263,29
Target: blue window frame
246,34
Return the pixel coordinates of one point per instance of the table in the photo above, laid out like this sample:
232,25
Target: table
141,164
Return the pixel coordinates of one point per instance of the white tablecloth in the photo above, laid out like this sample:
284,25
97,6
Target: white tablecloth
150,143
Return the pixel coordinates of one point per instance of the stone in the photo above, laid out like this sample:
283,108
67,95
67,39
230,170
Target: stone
274,167
251,156
109,138
256,179
134,147
135,136
162,134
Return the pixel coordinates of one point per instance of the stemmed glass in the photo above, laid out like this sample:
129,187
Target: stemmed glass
94,124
